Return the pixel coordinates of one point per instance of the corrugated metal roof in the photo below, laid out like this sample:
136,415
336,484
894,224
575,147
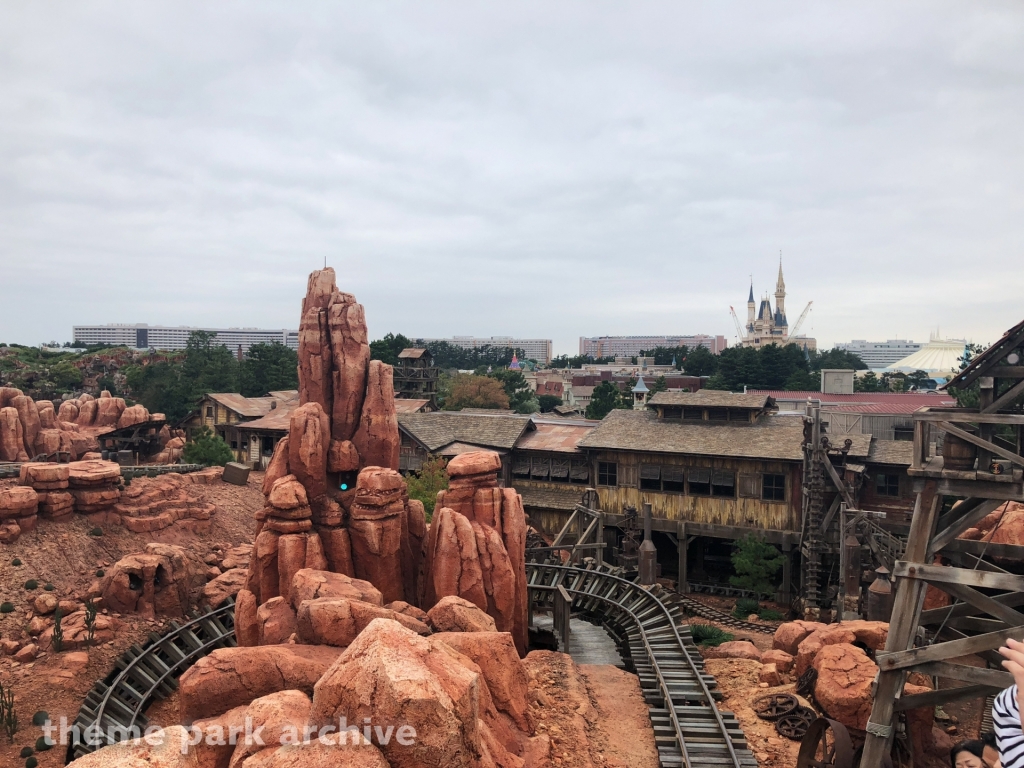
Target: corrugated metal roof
412,353
275,421
250,407
874,408
562,438
404,405
709,398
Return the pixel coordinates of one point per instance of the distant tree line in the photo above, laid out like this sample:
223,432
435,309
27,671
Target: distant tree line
446,355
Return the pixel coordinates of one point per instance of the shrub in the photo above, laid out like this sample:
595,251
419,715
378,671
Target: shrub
8,717
90,621
40,717
709,635
425,484
31,584
6,607
96,532
207,449
43,744
756,562
31,763
26,751
770,614
57,640
49,587
746,606
16,562
100,573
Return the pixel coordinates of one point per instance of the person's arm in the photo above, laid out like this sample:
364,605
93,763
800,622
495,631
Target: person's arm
1006,710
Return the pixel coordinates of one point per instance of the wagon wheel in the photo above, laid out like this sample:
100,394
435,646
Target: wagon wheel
826,745
805,683
796,724
775,705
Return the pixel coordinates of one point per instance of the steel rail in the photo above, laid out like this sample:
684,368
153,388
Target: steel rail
629,590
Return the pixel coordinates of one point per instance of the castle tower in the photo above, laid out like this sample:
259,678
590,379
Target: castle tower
750,308
780,299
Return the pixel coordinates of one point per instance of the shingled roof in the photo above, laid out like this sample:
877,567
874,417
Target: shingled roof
708,398
437,430
775,437
250,407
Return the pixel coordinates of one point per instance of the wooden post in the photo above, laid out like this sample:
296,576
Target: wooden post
683,586
902,629
561,614
599,538
786,593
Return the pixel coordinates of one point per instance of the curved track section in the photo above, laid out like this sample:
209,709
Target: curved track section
116,703
689,729
696,608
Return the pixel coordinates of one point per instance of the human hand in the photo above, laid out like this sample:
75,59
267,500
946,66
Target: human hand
1013,652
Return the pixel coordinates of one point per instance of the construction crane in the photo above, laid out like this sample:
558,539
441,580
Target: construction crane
799,322
739,328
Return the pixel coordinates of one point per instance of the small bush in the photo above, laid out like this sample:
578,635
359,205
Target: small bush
57,639
96,532
49,587
100,573
16,562
40,718
31,584
6,607
207,449
26,751
709,635
43,744
746,606
770,614
31,763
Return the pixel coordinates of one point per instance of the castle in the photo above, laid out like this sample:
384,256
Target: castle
765,327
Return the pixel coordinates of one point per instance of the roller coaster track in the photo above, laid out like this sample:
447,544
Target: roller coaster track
696,608
115,705
689,729
648,624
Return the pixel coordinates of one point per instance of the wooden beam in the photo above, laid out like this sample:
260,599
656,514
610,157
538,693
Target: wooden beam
1007,372
955,527
987,548
839,484
975,488
941,696
895,660
966,416
938,615
985,445
1006,398
965,674
833,508
957,512
989,605
941,574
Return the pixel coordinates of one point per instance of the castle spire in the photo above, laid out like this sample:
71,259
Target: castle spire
780,286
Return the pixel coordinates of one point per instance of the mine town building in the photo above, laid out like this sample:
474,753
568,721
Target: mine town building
713,465
224,412
415,376
143,336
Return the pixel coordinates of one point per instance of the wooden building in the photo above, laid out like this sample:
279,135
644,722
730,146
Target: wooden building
415,376
449,433
224,412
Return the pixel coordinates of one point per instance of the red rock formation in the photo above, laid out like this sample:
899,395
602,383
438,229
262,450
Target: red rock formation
309,584
308,441
843,687
152,583
338,621
783,661
12,436
350,357
135,414
28,415
375,527
377,439
455,614
47,415
734,649
789,635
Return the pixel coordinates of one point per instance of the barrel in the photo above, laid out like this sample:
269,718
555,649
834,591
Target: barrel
958,453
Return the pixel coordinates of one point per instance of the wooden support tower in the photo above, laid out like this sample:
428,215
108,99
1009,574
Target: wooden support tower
982,464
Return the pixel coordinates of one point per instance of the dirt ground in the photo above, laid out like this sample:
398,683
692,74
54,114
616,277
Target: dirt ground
66,556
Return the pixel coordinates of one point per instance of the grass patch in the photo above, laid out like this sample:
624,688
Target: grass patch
770,614
709,635
745,606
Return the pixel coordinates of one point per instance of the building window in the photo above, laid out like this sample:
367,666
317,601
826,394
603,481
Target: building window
718,414
579,472
672,479
607,473
209,411
773,487
699,482
723,483
234,445
903,433
650,477
693,413
887,485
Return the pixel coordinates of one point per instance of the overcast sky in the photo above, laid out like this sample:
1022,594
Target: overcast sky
535,169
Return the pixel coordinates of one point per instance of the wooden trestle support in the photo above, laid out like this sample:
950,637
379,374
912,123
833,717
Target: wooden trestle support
984,597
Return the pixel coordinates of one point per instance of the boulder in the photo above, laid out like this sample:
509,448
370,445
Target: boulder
48,441
789,635
783,661
280,715
392,675
455,568
152,583
400,606
76,631
166,748
132,415
230,677
93,473
287,493
338,621
350,360
871,633
275,621
45,603
108,411
47,414
734,649
28,414
308,441
223,587
7,394
377,439
339,752
376,523
309,584
496,655
342,456
246,629
474,463
18,501
87,410
455,614
12,436
67,413
49,474
278,466
843,687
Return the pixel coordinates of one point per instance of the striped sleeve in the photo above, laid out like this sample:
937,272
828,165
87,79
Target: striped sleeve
1009,736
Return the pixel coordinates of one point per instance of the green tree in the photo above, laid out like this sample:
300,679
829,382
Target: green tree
268,368
660,385
207,449
604,399
66,376
469,391
836,358
699,362
425,484
386,350
159,387
967,397
867,383
521,398
548,403
920,380
577,361
756,562
208,367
